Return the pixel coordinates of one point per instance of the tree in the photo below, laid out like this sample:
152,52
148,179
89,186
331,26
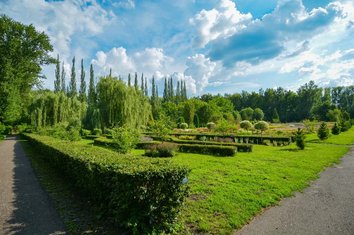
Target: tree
82,92
142,84
125,138
261,126
300,139
62,78
247,125
129,80
23,51
57,87
336,129
323,131
136,85
247,113
92,88
258,114
275,116
72,86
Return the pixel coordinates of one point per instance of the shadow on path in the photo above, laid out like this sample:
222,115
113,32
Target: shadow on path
25,207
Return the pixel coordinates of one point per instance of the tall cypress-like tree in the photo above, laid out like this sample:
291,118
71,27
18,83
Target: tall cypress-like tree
146,88
153,91
171,92
165,91
110,72
142,83
62,77
178,92
92,89
136,86
82,94
129,80
57,87
72,85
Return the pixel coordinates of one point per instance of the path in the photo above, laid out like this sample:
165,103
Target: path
24,207
326,207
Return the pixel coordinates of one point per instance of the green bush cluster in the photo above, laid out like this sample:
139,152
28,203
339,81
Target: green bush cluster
125,139
336,129
161,150
323,131
300,139
215,150
183,125
143,195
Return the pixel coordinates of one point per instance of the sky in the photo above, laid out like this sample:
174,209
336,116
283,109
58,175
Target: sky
216,46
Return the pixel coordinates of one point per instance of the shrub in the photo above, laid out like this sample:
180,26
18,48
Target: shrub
346,125
107,131
247,113
323,131
258,114
300,138
85,132
8,130
2,128
261,126
141,194
74,134
247,125
161,150
336,129
125,138
208,149
183,125
97,131
211,125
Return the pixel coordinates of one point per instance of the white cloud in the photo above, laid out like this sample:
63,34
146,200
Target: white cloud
222,21
125,4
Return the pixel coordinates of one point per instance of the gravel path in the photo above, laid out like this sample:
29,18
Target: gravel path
326,207
24,207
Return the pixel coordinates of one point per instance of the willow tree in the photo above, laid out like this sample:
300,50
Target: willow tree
121,105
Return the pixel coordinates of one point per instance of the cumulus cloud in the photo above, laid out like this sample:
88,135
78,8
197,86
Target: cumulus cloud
61,20
221,22
125,4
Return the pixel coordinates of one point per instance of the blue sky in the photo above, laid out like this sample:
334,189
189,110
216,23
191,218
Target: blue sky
216,46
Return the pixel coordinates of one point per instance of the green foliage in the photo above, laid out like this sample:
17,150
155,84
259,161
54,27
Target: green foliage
2,128
161,150
211,125
183,125
85,132
334,115
336,129
224,127
23,51
97,131
141,194
323,131
275,116
159,128
247,113
261,126
310,125
208,149
258,114
125,138
247,125
346,125
300,139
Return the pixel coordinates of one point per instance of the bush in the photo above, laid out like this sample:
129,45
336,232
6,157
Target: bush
323,131
336,129
247,113
125,138
2,128
85,132
74,134
141,194
97,131
258,114
346,125
211,125
161,150
183,125
208,149
24,127
300,139
247,125
8,130
261,126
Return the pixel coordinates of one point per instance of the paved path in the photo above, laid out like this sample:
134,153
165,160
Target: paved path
326,207
24,207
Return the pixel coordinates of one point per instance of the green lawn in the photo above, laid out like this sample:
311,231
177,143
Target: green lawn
225,193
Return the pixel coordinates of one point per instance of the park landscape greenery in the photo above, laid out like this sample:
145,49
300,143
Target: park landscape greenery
168,163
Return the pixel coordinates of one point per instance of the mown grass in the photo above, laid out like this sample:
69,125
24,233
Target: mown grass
225,193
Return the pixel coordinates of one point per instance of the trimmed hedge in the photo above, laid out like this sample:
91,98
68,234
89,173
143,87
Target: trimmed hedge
102,141
240,147
91,137
208,149
141,194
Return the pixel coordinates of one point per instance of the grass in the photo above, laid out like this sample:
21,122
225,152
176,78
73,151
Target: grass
226,192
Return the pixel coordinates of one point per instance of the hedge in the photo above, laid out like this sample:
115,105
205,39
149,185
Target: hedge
102,141
240,147
208,149
141,194
91,137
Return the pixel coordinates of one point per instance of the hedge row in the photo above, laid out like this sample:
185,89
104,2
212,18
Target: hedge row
141,194
103,141
208,149
240,147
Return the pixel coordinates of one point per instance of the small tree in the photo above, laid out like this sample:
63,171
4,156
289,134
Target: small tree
247,113
125,139
261,126
247,125
211,125
323,131
183,125
300,139
336,129
258,114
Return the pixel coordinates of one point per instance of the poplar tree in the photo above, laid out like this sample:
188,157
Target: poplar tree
142,83
165,91
92,89
171,92
136,86
178,92
57,87
110,72
72,85
82,95
146,88
63,85
129,80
